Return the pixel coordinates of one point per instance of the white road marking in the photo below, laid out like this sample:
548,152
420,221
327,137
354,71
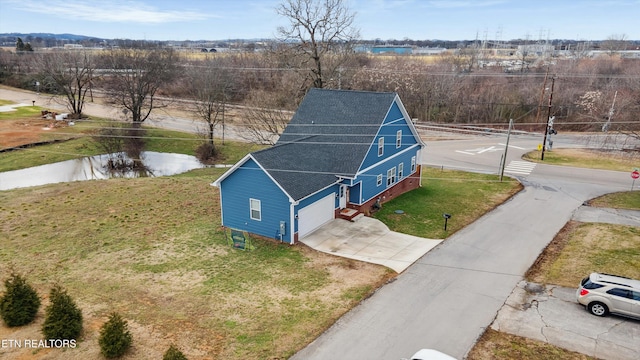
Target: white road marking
492,148
512,146
520,167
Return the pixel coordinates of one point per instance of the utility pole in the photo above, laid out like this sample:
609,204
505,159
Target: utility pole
506,147
606,125
546,128
544,88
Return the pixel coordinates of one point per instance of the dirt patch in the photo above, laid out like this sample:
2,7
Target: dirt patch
18,132
497,345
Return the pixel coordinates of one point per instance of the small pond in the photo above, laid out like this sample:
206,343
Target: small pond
96,167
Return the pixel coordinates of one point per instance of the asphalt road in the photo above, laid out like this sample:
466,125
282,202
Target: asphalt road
448,297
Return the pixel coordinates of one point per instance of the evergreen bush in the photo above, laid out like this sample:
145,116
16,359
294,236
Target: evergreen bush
173,353
63,317
20,303
115,337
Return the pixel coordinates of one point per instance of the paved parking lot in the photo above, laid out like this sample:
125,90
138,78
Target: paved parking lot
551,314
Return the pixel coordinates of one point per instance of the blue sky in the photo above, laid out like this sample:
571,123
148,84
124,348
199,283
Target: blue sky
383,19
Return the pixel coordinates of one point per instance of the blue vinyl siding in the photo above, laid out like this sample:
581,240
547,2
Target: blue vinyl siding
392,123
368,179
355,193
315,197
250,182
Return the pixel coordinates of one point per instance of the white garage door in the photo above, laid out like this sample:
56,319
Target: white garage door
315,215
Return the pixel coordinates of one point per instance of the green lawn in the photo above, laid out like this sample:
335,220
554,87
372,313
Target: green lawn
620,200
588,158
465,196
77,141
152,249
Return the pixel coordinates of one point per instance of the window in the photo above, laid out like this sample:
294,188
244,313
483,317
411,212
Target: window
587,284
413,164
379,180
620,292
398,138
380,146
400,171
391,176
256,211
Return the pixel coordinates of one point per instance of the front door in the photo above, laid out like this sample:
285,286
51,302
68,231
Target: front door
344,193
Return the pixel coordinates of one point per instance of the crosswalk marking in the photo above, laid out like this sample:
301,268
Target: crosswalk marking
520,167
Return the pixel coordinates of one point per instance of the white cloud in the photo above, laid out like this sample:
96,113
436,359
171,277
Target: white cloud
108,11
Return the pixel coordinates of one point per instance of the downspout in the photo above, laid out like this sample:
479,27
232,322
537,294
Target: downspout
420,159
291,222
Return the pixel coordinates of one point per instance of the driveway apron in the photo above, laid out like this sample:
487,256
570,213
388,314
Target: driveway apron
369,240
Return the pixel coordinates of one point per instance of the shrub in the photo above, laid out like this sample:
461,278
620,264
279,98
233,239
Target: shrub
20,303
115,337
173,354
207,153
63,317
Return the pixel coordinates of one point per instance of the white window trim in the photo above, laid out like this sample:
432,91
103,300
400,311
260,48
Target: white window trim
379,180
398,138
252,209
391,176
413,164
400,171
381,146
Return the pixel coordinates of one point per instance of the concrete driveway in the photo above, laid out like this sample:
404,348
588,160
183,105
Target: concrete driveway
552,315
369,240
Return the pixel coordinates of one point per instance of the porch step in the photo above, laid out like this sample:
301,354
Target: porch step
350,214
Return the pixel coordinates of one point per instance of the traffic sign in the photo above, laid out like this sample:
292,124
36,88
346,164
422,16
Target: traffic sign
635,174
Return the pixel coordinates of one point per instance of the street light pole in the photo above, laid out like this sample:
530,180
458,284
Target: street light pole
546,128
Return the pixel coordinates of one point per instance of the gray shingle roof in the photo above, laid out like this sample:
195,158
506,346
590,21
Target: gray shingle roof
329,135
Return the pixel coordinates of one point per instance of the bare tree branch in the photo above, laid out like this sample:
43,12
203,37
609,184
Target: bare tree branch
71,74
316,30
136,77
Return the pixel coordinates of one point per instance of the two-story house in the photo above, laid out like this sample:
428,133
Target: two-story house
342,149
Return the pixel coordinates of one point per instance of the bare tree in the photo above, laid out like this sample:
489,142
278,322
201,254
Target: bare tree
211,88
263,124
69,73
136,77
464,58
318,29
614,43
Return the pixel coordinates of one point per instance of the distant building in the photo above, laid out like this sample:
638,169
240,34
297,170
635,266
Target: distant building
393,49
429,50
543,50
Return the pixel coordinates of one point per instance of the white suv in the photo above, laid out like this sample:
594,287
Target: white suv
604,293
